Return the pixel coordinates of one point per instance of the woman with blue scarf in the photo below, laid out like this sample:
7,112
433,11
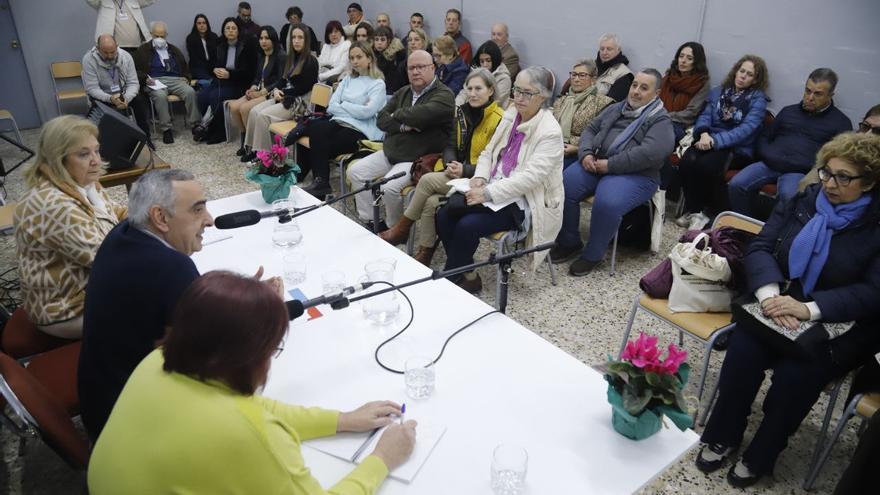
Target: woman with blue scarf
724,138
817,259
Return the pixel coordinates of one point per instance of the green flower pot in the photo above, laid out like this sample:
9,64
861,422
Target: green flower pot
635,427
272,188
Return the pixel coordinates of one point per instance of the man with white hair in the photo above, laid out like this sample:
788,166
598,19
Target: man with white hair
615,76
159,60
501,37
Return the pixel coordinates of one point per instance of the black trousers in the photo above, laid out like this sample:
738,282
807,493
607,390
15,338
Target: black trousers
327,139
796,384
702,178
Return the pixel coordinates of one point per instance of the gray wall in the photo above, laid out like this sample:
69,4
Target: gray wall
794,36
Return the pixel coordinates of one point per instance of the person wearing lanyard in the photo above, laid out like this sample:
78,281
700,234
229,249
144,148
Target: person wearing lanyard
124,20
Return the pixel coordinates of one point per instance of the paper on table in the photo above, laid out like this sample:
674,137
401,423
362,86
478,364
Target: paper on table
463,186
157,85
345,445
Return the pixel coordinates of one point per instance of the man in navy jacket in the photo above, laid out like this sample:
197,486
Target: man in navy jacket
787,148
140,271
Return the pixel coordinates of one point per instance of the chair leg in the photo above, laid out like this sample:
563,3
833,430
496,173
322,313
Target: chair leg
153,114
614,253
848,413
552,269
629,324
499,249
704,414
707,354
826,421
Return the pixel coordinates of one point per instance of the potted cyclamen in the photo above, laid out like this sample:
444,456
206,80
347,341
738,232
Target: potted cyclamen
274,170
642,388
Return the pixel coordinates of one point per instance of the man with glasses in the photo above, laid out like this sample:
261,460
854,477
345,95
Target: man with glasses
355,16
786,149
871,122
245,21
417,121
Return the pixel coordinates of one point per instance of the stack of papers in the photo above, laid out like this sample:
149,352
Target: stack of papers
464,185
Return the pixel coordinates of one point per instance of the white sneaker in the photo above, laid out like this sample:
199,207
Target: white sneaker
698,221
684,220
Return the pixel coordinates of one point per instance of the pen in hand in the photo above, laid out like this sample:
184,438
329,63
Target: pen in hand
402,411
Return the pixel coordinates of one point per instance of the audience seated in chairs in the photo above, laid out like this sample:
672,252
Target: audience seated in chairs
364,33
501,37
109,76
453,30
522,164
202,386
488,57
451,68
294,16
355,17
620,155
787,148
416,39
685,87
384,20
129,304
201,46
270,70
577,108
388,57
615,77
333,60
475,123
234,70
354,106
60,221
413,127
287,97
817,259
158,60
417,21
724,137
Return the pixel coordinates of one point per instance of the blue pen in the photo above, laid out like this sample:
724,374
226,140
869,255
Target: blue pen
402,412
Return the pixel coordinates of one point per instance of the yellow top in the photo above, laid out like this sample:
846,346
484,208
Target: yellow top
170,433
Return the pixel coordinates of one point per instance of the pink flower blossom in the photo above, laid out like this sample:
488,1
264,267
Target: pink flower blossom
642,352
265,157
278,139
674,359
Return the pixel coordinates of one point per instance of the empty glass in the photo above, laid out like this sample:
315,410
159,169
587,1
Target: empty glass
287,235
294,268
419,377
283,204
382,309
332,281
509,466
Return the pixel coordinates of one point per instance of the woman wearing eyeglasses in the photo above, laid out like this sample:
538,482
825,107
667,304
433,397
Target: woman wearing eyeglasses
817,259
575,109
191,418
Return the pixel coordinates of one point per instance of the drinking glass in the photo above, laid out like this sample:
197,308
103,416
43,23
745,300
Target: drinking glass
294,268
509,466
419,376
382,309
287,235
332,281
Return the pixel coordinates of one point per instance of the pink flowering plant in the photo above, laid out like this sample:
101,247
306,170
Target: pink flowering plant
646,379
274,171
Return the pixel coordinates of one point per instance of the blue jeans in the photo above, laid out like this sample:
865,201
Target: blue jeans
567,160
615,196
750,179
461,235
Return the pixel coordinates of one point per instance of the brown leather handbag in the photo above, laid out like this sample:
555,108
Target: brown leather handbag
424,164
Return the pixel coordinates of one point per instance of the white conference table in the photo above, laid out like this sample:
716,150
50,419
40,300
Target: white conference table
497,382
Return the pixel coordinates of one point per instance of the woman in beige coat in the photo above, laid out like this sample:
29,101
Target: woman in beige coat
519,174
59,224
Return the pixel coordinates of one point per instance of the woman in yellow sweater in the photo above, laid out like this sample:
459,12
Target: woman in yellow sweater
190,420
475,123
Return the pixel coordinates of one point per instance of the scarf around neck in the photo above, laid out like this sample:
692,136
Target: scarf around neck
677,90
601,66
568,105
809,250
641,115
510,155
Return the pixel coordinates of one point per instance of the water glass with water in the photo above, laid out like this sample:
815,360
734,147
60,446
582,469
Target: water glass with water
509,466
332,281
283,204
382,309
419,376
294,268
287,235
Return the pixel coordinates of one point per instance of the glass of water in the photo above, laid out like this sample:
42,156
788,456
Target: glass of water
419,376
509,466
332,281
294,268
287,235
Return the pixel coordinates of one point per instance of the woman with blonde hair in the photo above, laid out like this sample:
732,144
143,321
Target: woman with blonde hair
59,224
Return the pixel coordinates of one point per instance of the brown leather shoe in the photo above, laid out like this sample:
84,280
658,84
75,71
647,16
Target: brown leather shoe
399,233
473,285
424,255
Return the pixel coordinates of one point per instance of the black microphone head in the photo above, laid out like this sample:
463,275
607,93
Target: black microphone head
237,219
397,175
294,309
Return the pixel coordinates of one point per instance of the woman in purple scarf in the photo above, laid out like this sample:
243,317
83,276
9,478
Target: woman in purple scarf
817,260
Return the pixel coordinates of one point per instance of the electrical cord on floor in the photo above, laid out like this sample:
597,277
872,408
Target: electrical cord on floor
412,315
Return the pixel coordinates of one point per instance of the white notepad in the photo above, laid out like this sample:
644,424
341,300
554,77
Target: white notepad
464,185
346,445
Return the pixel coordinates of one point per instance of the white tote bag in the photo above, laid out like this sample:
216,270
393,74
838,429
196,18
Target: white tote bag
699,278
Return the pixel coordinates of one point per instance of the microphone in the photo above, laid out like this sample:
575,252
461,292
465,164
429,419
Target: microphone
295,307
248,217
384,180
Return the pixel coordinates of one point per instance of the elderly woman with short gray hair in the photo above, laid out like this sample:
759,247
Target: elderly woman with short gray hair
575,109
521,168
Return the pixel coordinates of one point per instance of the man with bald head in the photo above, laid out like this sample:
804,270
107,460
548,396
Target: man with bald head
159,60
501,37
109,76
417,120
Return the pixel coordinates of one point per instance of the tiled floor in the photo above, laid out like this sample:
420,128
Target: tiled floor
583,316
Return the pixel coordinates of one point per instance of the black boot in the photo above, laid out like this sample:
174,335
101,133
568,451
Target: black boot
319,188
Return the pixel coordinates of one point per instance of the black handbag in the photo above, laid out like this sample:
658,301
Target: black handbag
457,207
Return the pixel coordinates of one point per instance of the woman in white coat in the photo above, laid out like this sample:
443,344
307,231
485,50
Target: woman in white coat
124,20
521,167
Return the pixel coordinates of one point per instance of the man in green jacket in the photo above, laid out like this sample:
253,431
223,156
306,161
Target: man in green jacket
417,121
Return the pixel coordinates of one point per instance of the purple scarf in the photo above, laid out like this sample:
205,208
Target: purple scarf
511,151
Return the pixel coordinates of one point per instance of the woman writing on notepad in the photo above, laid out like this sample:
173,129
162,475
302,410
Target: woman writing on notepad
817,259
191,418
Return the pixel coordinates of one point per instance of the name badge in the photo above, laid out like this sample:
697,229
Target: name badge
123,16
115,88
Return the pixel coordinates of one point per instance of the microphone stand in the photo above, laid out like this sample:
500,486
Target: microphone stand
21,146
504,260
372,185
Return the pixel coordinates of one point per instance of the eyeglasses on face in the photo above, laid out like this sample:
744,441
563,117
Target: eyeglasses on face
864,126
842,180
418,68
579,75
524,94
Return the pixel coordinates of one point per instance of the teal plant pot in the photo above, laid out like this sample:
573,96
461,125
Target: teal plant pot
272,188
635,427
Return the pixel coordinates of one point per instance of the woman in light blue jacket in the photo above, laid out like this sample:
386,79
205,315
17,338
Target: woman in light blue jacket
354,106
724,137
